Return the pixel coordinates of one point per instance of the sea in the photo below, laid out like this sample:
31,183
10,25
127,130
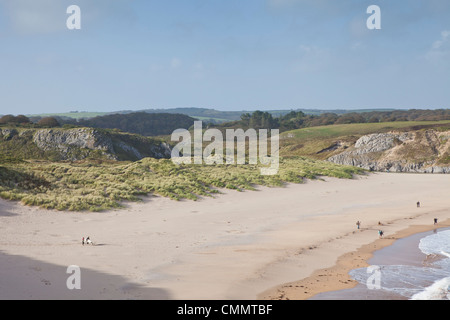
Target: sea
413,268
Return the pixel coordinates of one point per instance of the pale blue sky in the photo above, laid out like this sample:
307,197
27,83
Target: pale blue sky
228,55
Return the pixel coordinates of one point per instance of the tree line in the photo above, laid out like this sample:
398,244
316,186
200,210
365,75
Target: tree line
145,124
24,121
154,124
142,123
298,119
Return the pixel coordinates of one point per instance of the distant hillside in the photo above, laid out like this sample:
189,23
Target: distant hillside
299,119
207,115
69,115
141,123
218,116
204,114
59,144
408,146
153,122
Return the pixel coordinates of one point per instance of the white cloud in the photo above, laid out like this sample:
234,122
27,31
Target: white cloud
49,16
440,49
175,63
311,59
444,37
28,16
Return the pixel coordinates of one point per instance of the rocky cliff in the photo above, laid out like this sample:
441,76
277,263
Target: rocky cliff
80,143
424,151
70,143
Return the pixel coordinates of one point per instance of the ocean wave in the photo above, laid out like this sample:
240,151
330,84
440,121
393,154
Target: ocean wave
430,282
406,281
437,243
439,290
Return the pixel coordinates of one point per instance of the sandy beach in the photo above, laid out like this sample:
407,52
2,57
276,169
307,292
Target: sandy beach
274,243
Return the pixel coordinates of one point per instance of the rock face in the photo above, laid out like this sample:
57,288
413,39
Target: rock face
65,141
416,151
81,143
8,134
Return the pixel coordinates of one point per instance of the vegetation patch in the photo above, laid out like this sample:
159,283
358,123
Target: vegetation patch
318,142
100,185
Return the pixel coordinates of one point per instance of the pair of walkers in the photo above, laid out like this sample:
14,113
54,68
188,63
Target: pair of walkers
87,241
380,232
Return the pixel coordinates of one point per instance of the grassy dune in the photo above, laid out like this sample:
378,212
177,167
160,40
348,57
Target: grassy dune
99,185
102,184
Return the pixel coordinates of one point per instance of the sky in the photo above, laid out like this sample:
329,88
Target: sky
223,54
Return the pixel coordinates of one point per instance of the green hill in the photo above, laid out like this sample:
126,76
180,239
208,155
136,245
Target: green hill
320,142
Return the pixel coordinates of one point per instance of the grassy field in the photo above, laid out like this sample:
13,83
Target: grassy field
311,141
206,119
100,185
339,130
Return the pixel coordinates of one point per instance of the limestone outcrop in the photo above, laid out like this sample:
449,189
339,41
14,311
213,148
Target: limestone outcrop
423,151
81,143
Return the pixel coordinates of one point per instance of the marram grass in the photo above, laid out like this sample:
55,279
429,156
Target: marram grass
96,186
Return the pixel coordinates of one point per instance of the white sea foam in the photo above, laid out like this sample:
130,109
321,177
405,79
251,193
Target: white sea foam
403,280
437,243
431,282
437,291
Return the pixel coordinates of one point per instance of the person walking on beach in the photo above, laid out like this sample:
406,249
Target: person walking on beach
82,241
418,204
380,233
358,223
435,220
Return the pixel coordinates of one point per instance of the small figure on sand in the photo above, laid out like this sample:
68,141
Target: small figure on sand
380,233
418,204
435,220
358,224
87,241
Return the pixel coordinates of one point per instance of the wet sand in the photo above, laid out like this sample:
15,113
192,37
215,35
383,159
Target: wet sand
335,283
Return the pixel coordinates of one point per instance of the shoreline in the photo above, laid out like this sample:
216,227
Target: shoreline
237,245
337,277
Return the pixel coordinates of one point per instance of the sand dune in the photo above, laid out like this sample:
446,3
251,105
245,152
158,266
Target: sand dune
240,245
